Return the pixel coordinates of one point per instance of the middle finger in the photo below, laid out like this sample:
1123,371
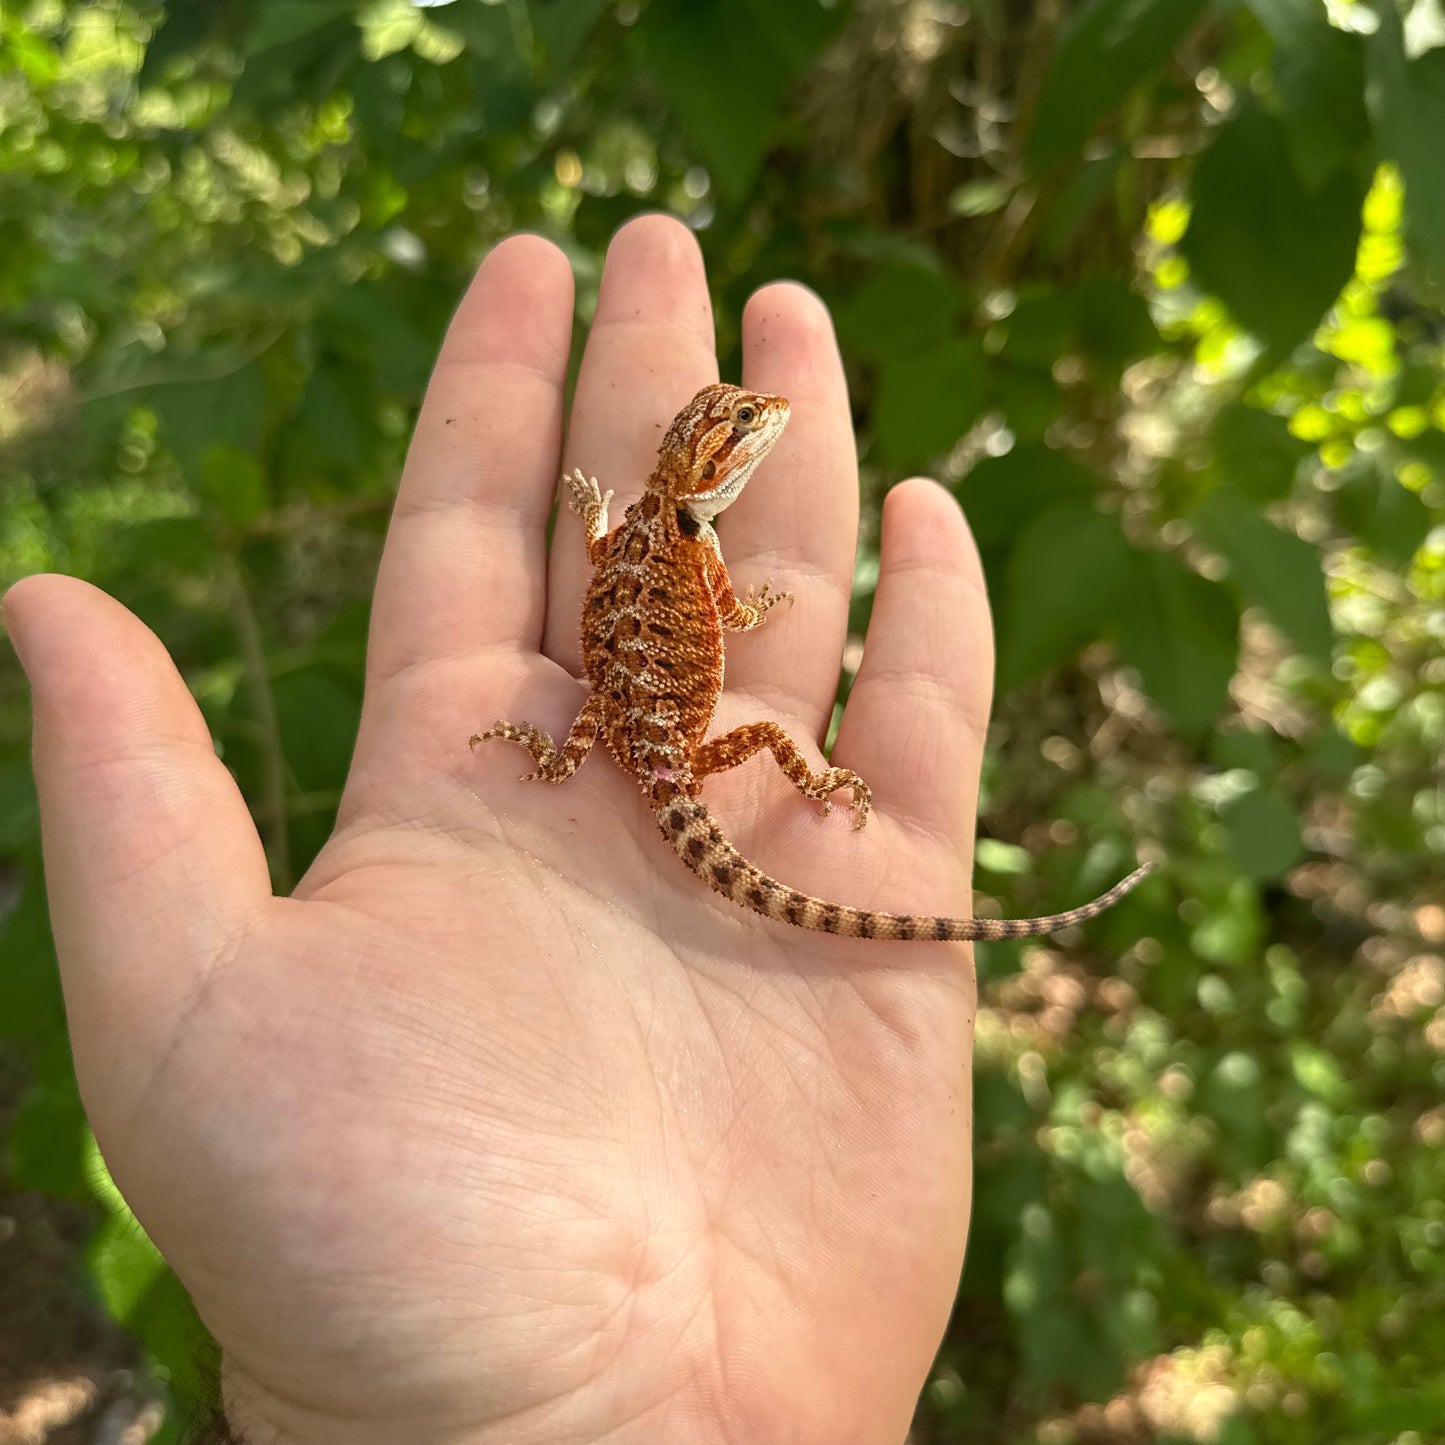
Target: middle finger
649,350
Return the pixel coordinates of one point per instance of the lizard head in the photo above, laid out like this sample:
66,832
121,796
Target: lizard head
715,444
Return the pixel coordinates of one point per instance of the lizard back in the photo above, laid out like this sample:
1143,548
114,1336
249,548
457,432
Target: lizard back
652,646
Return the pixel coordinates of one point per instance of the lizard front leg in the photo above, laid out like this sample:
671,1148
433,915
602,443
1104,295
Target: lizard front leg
740,615
741,743
589,501
554,764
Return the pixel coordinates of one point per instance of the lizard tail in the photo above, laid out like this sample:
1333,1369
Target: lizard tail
693,832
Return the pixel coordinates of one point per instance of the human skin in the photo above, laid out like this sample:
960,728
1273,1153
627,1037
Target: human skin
502,1128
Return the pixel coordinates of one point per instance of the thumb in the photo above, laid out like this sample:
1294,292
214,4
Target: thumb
153,867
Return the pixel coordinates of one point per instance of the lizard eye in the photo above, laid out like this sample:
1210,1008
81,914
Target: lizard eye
746,414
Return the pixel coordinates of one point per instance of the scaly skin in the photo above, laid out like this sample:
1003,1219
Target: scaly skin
659,602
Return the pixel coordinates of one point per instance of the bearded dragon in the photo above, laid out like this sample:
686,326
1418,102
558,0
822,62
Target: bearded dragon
657,606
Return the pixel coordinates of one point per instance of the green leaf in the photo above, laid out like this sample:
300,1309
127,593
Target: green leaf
234,482
900,309
182,544
1276,252
723,66
1407,101
332,440
1077,201
926,401
1264,834
178,31
198,415
391,330
1038,329
560,27
1256,452
30,1001
1319,73
1003,495
1372,505
19,808
1181,632
1114,324
282,21
49,1136
318,710
1102,317
1066,576
1029,399
1109,47
1272,569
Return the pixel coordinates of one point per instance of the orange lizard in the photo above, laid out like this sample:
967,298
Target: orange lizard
657,606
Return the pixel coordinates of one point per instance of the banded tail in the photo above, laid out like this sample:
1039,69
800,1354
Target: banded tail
694,833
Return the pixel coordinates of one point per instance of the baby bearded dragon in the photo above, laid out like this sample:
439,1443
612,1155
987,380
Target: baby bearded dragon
658,604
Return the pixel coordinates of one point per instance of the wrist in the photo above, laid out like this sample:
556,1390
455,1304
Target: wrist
606,1416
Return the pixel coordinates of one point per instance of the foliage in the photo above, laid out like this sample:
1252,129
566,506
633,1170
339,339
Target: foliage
1152,291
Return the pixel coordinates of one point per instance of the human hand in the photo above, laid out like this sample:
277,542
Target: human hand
504,1128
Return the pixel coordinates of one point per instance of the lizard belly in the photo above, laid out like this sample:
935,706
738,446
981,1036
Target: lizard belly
652,648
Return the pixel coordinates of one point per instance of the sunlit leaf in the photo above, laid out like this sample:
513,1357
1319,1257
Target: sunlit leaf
124,1264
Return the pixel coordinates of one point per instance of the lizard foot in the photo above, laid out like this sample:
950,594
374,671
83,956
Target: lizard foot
838,778
585,492
760,600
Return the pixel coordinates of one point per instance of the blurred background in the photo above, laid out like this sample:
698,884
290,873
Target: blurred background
1152,285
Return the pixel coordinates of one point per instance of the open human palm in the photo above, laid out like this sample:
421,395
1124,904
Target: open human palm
502,1127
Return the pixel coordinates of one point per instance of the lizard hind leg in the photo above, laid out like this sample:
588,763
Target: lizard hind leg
553,764
741,743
